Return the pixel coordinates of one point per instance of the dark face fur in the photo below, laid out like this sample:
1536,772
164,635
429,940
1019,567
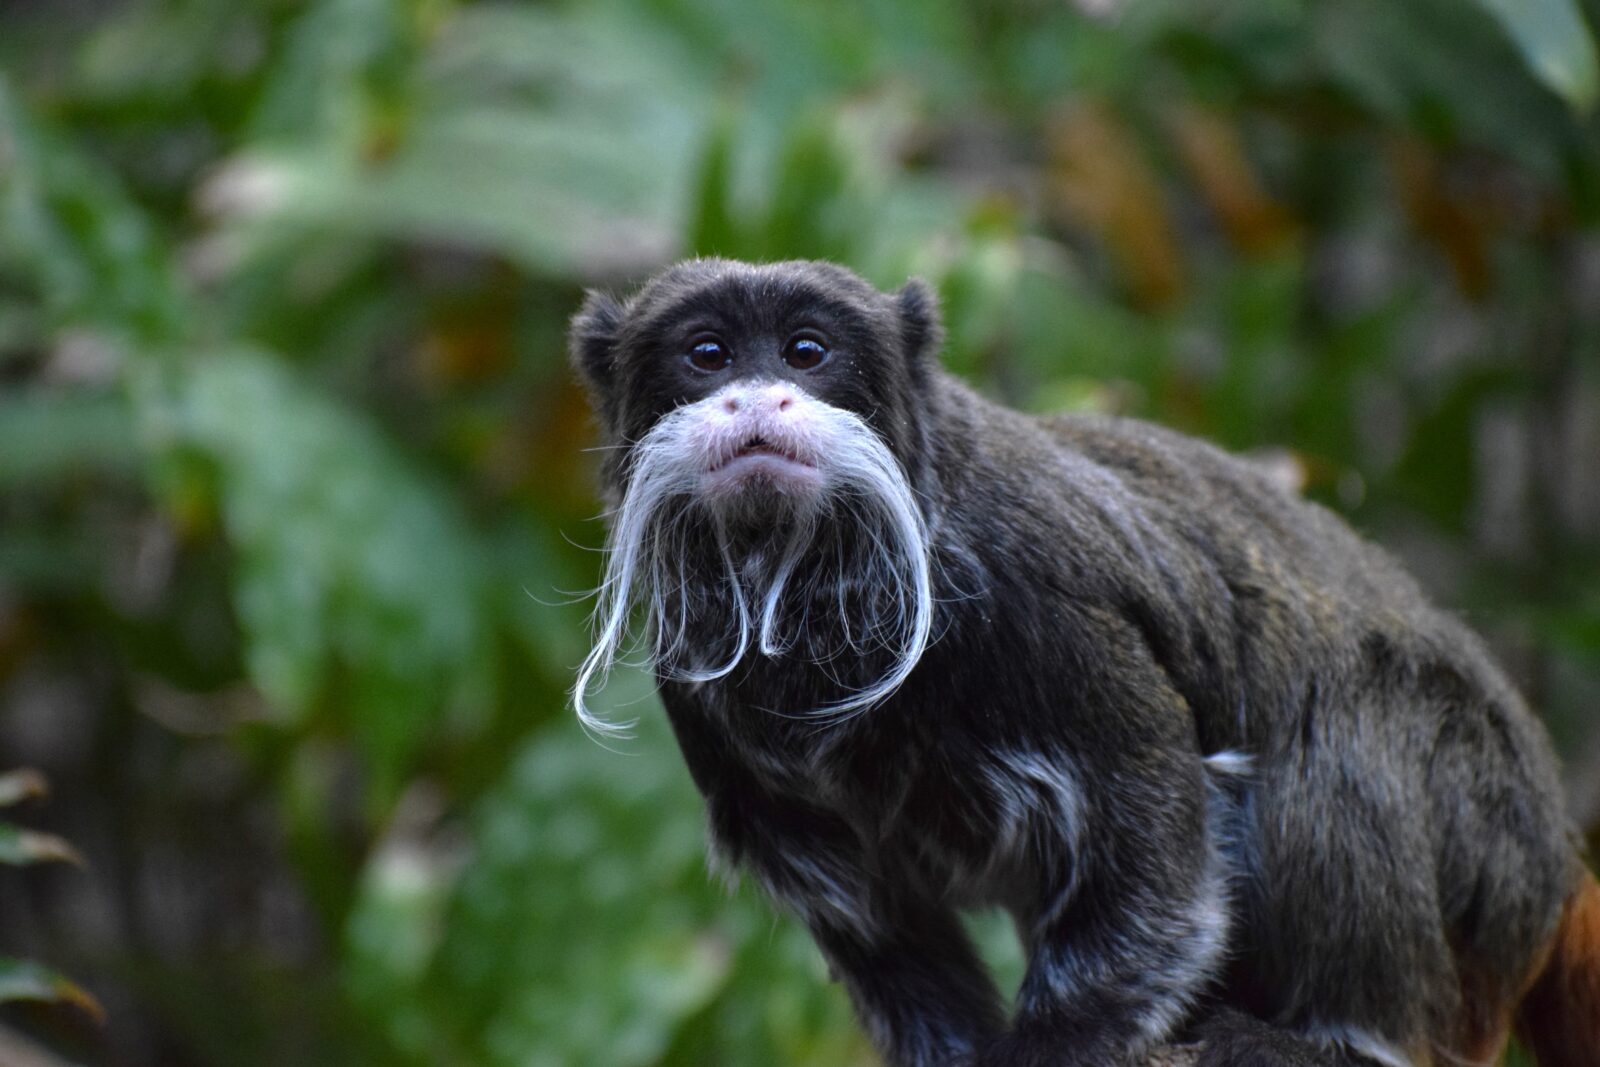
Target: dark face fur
764,452
639,359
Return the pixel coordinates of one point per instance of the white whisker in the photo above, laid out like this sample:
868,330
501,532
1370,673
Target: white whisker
659,568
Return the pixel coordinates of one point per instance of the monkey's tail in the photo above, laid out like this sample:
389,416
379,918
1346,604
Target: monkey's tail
1559,1020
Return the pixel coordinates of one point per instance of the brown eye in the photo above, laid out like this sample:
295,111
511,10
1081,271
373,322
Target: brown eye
709,355
805,352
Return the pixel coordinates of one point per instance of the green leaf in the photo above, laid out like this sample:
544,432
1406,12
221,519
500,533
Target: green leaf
358,583
46,436
329,71
70,232
20,785
715,228
157,55
586,928
24,980
22,847
581,129
1433,476
1556,43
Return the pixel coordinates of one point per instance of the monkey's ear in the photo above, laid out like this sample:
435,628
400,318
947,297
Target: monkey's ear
592,341
918,308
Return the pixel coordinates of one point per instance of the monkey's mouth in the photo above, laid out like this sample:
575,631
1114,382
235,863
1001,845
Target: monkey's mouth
760,446
764,458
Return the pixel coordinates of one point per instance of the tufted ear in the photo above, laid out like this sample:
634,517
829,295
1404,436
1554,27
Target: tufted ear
592,343
920,329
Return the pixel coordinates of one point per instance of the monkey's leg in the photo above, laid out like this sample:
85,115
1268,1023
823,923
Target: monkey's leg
1342,935
1124,942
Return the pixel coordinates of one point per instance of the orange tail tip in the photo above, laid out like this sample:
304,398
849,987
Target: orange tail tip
1559,1020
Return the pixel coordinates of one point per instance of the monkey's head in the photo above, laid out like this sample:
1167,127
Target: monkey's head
764,430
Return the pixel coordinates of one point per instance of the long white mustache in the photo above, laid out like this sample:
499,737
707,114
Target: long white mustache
646,597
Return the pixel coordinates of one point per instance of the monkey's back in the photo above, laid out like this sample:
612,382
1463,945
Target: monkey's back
1274,594
1388,749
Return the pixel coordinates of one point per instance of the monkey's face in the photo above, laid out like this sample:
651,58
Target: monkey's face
765,435
758,358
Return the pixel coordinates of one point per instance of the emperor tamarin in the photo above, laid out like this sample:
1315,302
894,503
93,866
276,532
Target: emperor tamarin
1217,757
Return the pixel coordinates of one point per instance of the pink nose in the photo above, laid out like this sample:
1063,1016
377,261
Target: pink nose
760,400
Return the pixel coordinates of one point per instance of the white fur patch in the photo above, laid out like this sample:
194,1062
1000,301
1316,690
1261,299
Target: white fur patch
672,497
1198,936
1360,1041
1205,943
1041,814
1233,764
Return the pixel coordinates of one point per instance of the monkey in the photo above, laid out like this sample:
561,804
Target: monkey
1222,763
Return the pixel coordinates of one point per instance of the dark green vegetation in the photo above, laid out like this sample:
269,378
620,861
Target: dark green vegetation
292,489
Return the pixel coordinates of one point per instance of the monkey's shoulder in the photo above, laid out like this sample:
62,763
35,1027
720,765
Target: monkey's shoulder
1204,553
1128,493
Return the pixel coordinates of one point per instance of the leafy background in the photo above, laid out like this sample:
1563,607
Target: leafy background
294,497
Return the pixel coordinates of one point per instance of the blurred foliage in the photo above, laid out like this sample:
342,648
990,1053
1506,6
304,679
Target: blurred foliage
293,492
24,979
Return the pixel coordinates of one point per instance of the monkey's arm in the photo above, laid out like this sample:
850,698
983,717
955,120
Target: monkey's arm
1117,967
913,975
1129,919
